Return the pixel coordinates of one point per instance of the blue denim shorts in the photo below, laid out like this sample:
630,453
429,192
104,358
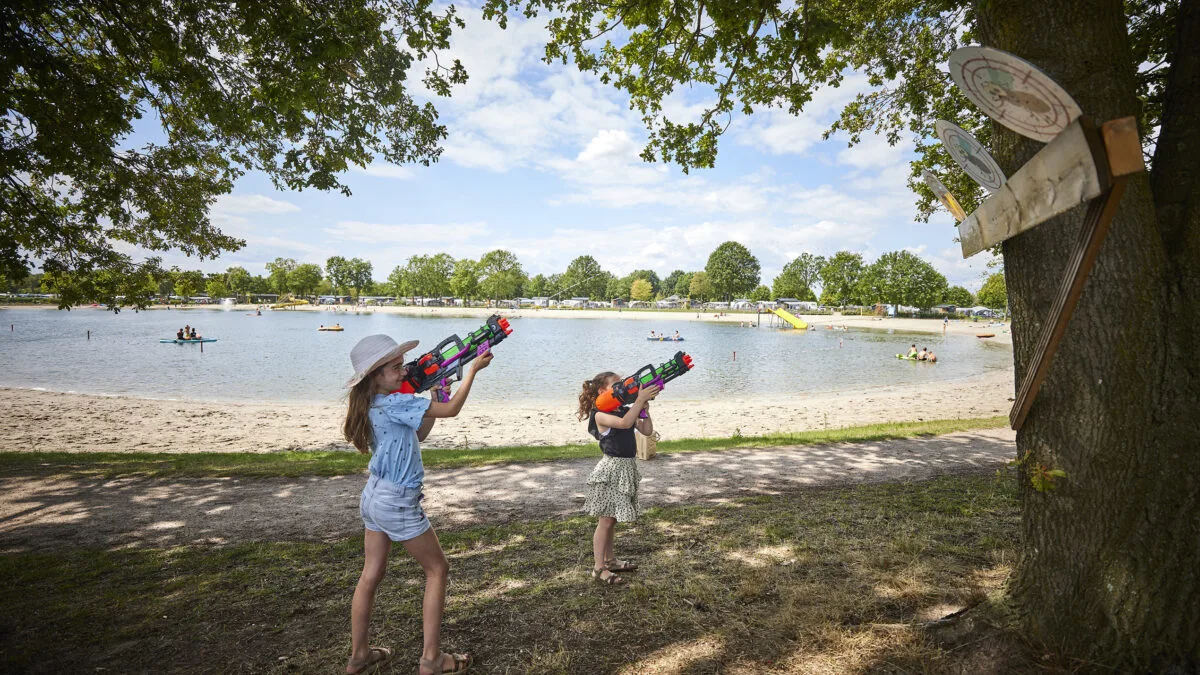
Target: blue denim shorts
393,510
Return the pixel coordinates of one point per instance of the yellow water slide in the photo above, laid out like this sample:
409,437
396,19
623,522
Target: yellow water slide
788,317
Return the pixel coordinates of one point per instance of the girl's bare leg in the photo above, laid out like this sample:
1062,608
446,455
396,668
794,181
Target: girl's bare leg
428,552
602,540
608,545
376,545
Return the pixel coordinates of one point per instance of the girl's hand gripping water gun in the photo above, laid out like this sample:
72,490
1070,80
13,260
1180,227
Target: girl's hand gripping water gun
448,358
625,392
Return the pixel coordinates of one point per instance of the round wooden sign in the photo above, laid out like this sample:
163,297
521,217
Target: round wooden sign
943,195
970,155
1013,92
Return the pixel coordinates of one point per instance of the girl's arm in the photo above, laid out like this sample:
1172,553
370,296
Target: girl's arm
452,407
427,422
631,416
646,426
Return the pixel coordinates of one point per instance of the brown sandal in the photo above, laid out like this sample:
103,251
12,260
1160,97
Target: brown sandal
612,579
614,565
378,656
462,662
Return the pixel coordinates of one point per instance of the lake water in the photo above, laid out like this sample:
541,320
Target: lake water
280,356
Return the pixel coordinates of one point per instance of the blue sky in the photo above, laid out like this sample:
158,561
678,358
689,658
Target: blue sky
542,160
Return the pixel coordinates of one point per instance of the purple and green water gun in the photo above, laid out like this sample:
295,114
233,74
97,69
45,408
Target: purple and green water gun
450,355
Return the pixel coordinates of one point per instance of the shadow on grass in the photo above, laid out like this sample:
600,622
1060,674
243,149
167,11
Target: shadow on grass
40,515
821,579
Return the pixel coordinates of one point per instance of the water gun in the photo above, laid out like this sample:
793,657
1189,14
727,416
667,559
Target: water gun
448,358
626,391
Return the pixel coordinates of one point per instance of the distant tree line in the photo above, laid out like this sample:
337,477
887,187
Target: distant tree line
732,271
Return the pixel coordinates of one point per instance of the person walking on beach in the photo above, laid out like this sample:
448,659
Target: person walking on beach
612,487
390,426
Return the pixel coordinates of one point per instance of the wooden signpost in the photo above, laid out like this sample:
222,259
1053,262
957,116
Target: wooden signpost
1081,163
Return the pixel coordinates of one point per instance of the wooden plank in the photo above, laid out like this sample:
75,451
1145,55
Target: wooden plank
1123,146
1069,171
1095,228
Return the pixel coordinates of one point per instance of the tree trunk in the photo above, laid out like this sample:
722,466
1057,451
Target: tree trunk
1109,569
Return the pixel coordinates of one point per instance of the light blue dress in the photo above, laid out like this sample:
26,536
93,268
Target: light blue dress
391,499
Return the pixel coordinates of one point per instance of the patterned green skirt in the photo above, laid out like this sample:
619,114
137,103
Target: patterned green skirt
612,489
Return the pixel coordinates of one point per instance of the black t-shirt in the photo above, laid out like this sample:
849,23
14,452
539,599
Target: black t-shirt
617,442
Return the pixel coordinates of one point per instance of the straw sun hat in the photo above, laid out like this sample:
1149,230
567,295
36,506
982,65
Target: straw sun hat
373,351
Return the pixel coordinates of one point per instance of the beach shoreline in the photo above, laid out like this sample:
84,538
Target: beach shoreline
667,320
44,421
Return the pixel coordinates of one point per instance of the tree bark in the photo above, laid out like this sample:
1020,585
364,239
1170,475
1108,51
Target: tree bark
1109,569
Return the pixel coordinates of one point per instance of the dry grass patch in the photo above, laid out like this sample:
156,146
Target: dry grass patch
822,580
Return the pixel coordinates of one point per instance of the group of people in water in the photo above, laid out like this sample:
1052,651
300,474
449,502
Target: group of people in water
922,355
187,333
663,336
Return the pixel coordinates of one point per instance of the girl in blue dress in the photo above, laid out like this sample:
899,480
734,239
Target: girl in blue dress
390,427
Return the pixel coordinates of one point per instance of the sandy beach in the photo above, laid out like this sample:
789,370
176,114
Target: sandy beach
49,421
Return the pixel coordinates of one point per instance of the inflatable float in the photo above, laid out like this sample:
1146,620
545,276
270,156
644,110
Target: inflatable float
913,358
985,335
337,328
665,339
187,342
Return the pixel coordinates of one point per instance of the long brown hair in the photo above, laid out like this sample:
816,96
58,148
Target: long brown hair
592,389
357,429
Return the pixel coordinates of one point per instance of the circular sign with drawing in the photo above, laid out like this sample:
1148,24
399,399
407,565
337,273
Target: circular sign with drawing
1013,92
943,195
970,155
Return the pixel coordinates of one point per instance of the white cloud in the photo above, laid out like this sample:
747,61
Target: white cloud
873,152
411,233
228,204
969,272
610,158
608,144
258,243
471,151
515,110
777,131
382,169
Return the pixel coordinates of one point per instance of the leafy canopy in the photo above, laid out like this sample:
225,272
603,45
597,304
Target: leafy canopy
959,297
732,270
500,274
584,278
840,278
902,278
993,293
750,56
298,90
640,289
798,277
464,281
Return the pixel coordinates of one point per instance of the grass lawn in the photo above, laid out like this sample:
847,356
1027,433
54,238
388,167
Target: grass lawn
292,464
818,580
